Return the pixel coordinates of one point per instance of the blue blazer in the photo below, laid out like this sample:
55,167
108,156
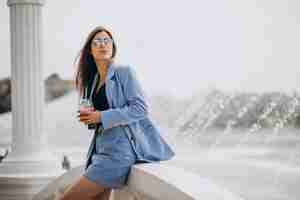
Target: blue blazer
129,109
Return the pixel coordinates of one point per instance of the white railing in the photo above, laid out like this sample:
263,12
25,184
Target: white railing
153,181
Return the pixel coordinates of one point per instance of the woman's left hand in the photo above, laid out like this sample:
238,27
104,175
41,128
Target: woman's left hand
92,117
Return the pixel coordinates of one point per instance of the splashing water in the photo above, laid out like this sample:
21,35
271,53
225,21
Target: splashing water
291,113
257,126
233,122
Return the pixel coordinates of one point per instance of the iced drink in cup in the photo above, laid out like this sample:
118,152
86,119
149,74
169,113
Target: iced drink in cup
86,106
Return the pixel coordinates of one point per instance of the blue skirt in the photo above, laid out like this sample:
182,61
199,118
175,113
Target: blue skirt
111,159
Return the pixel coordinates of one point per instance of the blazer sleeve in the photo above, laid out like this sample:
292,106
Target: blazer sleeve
136,106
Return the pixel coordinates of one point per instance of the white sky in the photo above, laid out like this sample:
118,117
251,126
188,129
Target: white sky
179,47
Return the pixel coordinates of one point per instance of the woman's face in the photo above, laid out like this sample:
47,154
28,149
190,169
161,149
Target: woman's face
102,46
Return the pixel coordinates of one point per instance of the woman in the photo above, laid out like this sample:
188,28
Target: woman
124,134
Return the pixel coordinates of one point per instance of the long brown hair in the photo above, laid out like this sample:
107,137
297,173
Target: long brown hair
86,67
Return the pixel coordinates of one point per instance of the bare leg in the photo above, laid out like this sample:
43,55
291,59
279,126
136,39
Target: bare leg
106,194
103,196
83,189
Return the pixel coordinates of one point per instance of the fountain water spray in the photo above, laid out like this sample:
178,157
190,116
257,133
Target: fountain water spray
233,122
291,114
257,126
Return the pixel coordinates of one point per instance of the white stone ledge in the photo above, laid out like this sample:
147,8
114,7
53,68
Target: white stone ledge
152,181
162,181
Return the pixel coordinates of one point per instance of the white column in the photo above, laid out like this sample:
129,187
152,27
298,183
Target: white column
29,157
27,83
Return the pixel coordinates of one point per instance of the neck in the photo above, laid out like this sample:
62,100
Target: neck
102,67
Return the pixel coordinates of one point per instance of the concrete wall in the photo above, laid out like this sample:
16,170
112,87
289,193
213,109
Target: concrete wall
151,182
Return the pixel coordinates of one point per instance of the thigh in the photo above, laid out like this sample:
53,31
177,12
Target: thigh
104,196
83,189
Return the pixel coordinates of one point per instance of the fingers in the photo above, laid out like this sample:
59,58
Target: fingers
86,119
86,122
89,118
84,112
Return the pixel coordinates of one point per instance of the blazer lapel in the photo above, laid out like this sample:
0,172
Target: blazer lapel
110,84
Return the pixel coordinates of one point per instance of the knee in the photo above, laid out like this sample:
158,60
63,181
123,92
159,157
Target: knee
58,195
105,195
61,196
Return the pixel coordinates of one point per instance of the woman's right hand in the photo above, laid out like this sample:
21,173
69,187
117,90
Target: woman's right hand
85,111
90,117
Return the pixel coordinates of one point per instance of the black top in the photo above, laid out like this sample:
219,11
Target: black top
99,99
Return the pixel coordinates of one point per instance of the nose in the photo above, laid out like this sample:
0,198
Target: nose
101,44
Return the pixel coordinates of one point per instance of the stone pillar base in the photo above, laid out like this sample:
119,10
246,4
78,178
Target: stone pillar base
22,188
21,179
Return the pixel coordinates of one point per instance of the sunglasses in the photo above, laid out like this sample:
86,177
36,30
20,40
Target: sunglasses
97,42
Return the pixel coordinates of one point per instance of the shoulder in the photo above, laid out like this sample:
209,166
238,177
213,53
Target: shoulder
125,71
124,68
